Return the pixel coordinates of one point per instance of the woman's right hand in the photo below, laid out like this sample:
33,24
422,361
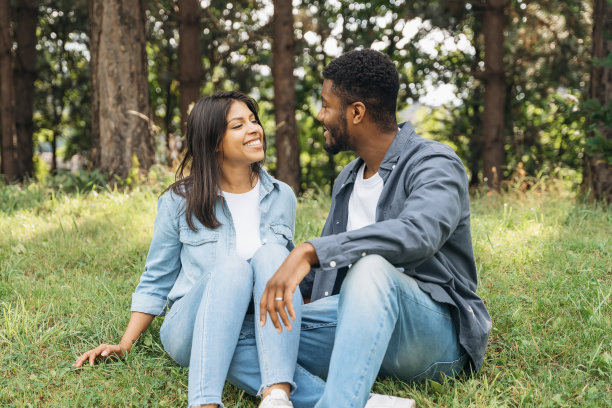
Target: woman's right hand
100,352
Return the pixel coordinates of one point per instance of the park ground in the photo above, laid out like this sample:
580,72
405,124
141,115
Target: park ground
70,261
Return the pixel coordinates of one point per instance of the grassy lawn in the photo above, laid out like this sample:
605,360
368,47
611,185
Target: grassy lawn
69,263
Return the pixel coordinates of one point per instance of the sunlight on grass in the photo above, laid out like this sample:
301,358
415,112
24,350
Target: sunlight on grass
69,263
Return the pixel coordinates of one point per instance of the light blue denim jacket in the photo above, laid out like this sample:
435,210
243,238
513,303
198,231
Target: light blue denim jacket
179,257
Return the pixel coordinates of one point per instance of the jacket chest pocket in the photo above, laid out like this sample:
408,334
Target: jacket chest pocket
282,233
201,244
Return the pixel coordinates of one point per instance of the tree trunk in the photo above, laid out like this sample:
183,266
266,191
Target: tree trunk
190,57
283,49
7,96
25,74
121,109
597,174
494,95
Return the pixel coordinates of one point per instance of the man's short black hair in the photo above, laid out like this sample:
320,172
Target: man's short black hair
370,77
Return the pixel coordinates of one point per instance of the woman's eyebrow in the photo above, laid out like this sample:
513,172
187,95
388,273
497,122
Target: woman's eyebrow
240,118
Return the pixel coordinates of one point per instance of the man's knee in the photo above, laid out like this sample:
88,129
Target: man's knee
369,273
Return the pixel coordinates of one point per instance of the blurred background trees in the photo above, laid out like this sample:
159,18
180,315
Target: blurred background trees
519,89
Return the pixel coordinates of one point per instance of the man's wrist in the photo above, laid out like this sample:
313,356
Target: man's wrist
310,254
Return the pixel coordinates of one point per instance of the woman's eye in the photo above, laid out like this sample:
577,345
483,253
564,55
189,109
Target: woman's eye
237,126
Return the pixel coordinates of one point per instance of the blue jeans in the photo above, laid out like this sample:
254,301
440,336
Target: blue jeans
204,327
381,323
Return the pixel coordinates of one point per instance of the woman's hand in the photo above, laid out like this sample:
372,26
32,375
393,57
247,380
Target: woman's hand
100,352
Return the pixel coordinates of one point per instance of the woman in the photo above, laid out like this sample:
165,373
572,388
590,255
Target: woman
220,234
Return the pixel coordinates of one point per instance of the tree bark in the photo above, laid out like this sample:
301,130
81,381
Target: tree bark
26,17
597,172
190,56
9,165
283,50
494,94
121,109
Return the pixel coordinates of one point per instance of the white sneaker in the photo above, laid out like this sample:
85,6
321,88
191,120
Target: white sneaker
385,401
276,399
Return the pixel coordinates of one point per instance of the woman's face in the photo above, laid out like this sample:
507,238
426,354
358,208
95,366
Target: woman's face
242,143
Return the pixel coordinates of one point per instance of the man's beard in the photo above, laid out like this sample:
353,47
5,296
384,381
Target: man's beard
338,137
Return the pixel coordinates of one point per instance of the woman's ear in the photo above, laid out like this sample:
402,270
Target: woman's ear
357,112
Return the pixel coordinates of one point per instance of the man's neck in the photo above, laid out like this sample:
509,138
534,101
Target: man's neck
373,150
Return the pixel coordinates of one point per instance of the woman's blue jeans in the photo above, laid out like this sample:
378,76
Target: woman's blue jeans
204,327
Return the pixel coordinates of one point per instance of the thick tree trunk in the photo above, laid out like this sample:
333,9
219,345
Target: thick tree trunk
190,57
494,95
121,109
597,174
9,168
25,73
283,49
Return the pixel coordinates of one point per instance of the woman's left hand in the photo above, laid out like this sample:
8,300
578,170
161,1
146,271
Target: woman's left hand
278,295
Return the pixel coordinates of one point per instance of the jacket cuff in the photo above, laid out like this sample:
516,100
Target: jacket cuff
330,253
148,304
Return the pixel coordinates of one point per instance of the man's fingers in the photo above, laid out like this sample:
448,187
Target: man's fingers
280,309
289,304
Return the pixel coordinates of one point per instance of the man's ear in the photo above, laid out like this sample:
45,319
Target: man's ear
357,112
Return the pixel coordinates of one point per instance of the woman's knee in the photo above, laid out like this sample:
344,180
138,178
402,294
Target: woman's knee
268,259
231,272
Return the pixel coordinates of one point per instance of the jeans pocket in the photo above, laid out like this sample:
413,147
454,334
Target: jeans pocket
440,369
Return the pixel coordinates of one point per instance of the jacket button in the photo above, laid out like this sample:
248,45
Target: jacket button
326,293
393,166
332,264
363,254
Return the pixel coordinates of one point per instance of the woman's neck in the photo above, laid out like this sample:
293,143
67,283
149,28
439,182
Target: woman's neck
237,180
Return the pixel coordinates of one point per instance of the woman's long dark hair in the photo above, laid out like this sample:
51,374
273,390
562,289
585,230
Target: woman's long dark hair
206,126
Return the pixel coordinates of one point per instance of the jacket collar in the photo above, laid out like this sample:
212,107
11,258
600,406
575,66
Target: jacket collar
391,158
395,150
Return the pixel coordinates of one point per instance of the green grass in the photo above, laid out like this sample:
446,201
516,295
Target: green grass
69,263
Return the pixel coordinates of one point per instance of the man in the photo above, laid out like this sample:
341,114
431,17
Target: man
393,286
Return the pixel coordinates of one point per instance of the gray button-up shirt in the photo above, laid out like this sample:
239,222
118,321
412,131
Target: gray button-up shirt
422,226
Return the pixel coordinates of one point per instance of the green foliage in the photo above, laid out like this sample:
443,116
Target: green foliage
68,264
63,84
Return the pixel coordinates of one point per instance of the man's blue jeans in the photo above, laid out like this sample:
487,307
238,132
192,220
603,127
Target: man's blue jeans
203,328
380,323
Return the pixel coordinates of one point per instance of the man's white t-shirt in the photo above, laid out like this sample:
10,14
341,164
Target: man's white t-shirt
363,200
246,215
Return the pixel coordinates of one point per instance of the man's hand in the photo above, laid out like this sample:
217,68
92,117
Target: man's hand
278,294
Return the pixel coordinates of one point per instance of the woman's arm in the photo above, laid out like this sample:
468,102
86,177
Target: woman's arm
139,322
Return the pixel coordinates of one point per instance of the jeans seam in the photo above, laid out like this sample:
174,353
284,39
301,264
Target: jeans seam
206,300
318,326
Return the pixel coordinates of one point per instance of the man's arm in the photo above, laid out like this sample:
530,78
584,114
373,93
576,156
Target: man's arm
436,202
282,285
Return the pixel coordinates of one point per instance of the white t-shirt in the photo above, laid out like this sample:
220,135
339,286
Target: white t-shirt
363,200
246,215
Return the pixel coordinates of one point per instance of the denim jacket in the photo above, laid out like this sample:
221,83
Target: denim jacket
422,227
179,257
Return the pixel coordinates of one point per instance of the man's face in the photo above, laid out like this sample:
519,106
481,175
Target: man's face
333,117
